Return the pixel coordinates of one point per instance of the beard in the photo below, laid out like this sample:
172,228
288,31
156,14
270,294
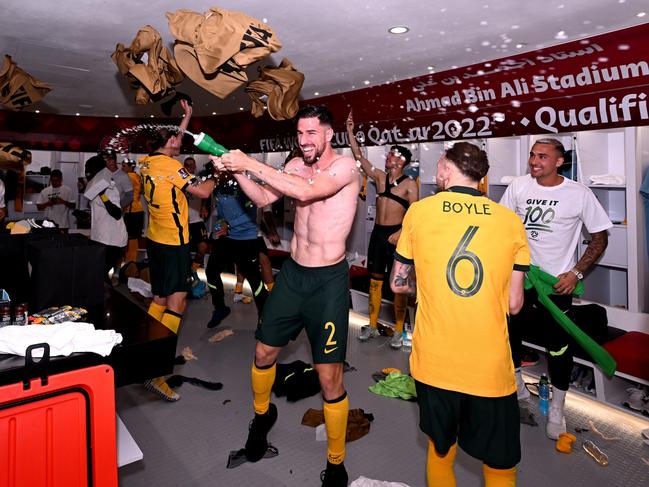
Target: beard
313,157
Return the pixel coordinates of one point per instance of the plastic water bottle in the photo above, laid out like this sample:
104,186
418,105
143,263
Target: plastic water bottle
206,143
407,337
544,394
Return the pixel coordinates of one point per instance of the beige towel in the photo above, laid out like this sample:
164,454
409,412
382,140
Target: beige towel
18,89
282,86
214,48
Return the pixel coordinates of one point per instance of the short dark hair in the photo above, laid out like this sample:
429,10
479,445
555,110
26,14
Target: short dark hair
188,158
94,165
403,151
320,112
469,159
558,146
56,173
109,154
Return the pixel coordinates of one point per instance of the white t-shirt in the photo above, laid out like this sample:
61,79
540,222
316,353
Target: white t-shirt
122,182
103,227
553,217
194,207
59,214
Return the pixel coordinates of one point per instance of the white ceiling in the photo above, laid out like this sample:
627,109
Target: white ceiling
340,45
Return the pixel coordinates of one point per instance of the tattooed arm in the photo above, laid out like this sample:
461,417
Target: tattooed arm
402,279
596,247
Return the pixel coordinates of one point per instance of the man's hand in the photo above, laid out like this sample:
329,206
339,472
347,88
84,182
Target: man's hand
235,161
223,232
187,108
567,283
349,123
217,163
394,238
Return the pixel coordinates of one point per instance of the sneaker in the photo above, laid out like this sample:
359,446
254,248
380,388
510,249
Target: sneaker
334,476
530,357
257,444
636,399
160,387
218,316
396,341
367,333
556,424
241,298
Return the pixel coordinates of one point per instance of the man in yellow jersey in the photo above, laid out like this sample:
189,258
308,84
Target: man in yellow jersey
164,181
134,212
471,255
395,192
312,288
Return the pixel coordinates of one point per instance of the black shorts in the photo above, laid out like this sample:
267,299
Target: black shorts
197,234
262,248
380,252
134,224
314,298
487,428
170,268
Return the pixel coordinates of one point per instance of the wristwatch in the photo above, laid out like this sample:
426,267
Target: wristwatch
579,275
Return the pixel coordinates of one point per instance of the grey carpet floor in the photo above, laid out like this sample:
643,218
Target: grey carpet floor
186,443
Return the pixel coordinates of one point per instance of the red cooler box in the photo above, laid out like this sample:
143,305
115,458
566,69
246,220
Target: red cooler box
59,430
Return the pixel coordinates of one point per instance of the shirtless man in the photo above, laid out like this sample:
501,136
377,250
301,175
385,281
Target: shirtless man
395,193
311,291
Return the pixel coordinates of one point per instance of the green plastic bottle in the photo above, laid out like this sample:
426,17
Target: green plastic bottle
206,143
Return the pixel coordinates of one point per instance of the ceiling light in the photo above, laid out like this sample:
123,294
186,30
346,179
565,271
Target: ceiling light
430,68
77,114
37,111
641,14
315,93
151,116
241,108
398,29
116,116
213,113
520,45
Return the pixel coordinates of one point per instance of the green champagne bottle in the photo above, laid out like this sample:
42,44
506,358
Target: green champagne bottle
206,143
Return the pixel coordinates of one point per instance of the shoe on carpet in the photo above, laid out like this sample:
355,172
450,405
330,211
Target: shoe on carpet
257,443
334,476
241,298
159,386
636,399
396,341
218,316
367,333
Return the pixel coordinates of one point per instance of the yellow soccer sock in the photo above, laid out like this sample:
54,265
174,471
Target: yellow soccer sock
375,301
269,286
496,477
335,415
131,250
439,469
238,288
156,310
400,308
196,266
171,320
263,379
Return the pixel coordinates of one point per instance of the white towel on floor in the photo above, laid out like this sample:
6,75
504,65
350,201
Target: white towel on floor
64,339
365,482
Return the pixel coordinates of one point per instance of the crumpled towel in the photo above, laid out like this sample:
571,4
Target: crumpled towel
19,89
396,385
63,338
609,179
365,482
140,286
281,85
220,335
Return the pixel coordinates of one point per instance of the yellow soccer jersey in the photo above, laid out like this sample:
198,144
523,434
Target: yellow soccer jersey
136,205
464,248
163,181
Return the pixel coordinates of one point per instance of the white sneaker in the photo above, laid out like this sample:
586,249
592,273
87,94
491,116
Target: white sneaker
522,394
636,399
367,333
396,341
